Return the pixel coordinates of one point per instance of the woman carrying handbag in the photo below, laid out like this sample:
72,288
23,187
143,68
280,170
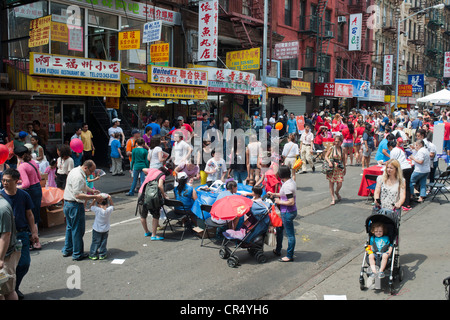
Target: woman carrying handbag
335,159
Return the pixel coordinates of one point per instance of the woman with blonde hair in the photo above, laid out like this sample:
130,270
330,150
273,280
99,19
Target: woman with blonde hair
336,124
390,191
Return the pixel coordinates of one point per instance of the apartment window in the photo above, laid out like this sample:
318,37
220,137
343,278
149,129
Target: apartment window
288,12
103,36
340,32
287,66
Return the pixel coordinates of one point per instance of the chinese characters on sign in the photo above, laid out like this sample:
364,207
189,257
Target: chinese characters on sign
405,90
177,76
447,64
64,66
417,82
286,50
387,69
324,89
76,38
303,86
59,32
75,87
354,32
159,52
343,90
40,31
208,23
145,90
129,40
152,31
244,59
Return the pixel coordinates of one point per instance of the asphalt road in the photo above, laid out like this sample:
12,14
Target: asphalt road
328,256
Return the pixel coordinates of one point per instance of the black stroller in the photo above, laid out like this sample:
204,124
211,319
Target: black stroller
254,229
391,219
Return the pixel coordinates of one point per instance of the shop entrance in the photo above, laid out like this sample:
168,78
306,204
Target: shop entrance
74,114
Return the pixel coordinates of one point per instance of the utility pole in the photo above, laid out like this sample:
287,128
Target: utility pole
264,62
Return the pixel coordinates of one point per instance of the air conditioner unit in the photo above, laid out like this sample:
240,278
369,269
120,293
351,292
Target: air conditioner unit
296,74
329,34
342,19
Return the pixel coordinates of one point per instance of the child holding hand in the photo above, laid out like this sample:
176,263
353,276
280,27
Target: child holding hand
101,227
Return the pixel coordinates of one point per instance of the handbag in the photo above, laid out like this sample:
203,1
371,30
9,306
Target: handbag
275,217
326,167
271,238
298,164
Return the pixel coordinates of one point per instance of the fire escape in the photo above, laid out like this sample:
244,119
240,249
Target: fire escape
318,26
418,36
434,48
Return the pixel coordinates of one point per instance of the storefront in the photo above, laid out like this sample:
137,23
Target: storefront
374,100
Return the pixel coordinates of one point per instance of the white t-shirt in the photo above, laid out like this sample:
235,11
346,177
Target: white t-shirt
101,222
153,157
290,150
254,150
422,154
179,151
220,166
113,130
399,155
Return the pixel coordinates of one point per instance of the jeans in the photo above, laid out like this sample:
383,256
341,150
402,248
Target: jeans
288,225
240,176
98,245
25,260
136,175
75,228
35,192
421,179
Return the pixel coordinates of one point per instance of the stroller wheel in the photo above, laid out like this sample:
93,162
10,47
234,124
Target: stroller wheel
224,252
260,257
233,262
362,283
400,274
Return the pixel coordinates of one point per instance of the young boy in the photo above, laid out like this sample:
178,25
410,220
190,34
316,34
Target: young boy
216,168
379,242
101,226
116,156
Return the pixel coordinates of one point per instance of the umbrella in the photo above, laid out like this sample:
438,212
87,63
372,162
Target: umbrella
231,207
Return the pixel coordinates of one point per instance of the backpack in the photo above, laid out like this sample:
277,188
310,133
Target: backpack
151,196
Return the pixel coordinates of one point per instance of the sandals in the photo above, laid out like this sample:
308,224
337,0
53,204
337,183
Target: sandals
339,198
155,238
286,259
276,253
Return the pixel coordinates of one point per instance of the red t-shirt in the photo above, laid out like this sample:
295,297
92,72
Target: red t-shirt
359,133
446,130
346,134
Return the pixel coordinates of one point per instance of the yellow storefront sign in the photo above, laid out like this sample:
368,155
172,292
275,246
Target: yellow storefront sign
129,40
60,32
244,59
145,90
159,52
284,91
40,31
302,86
74,87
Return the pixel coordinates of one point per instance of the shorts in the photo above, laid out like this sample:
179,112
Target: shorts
347,145
143,212
253,166
446,144
289,162
366,152
10,265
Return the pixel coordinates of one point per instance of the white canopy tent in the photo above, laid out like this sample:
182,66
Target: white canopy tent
441,97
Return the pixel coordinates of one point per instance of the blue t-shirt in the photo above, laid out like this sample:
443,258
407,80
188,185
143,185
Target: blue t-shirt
115,144
292,123
380,242
386,121
380,155
185,197
20,203
156,129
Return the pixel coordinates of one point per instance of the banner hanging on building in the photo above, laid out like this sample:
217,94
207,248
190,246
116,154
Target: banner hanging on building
417,82
388,69
405,90
208,24
354,32
286,50
177,76
159,52
152,31
40,31
129,40
244,59
447,64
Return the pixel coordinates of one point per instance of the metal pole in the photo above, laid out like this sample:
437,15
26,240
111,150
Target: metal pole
397,65
264,62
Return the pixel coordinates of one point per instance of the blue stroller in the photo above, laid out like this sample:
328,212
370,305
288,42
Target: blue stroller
391,219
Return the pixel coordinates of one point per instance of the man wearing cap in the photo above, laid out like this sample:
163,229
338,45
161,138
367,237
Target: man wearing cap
111,131
418,122
398,132
414,112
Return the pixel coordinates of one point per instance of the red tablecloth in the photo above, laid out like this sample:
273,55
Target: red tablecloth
375,170
51,196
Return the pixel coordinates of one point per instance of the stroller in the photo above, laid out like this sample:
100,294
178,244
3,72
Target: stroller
391,219
251,236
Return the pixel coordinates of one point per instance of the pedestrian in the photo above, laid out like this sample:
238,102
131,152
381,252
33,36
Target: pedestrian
359,131
191,169
139,162
31,183
131,143
348,135
336,160
216,168
253,152
226,134
9,250
41,133
156,156
446,134
156,128
88,142
100,229
153,175
116,156
115,128
421,159
306,147
380,241
75,194
22,205
147,137
64,165
181,151
90,184
291,125
38,154
77,157
367,145
390,190
51,173
286,200
237,160
396,153
290,153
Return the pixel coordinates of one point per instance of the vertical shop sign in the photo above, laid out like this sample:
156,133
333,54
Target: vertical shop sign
152,31
447,64
208,22
76,38
387,69
354,34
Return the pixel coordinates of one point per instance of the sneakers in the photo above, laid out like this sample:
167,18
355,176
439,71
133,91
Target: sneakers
148,234
156,238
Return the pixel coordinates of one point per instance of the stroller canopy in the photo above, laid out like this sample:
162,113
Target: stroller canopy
389,219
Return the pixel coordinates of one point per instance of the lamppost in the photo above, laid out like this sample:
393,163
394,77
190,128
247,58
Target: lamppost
438,6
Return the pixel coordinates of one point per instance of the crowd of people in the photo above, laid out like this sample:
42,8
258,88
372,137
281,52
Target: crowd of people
339,139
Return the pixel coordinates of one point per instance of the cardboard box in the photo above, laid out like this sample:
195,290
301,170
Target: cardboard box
52,216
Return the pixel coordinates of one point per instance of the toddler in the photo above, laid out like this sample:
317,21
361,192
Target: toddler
90,183
379,243
101,226
51,174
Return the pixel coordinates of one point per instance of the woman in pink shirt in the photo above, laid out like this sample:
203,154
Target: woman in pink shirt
31,182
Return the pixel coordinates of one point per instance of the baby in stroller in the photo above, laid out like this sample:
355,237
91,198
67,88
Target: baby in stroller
379,247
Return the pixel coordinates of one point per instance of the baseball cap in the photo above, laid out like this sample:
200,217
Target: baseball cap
180,118
134,131
182,175
115,120
22,134
400,140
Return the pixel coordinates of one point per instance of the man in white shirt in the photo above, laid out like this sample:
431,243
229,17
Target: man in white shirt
421,158
306,143
181,151
399,130
75,194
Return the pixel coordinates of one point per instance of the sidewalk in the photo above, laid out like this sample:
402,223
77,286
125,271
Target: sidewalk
113,184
